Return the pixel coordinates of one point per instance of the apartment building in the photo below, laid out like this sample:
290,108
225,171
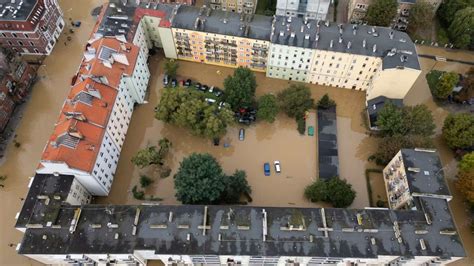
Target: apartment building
309,9
220,38
413,174
346,56
30,26
236,6
90,132
16,79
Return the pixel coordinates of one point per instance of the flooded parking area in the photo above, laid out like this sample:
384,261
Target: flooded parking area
263,142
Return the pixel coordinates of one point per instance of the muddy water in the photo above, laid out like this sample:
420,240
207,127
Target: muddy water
39,117
263,143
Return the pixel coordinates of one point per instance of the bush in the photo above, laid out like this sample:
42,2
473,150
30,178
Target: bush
138,194
145,181
467,162
301,125
458,131
267,108
335,191
325,102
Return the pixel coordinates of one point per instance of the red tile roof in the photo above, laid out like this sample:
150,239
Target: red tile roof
81,125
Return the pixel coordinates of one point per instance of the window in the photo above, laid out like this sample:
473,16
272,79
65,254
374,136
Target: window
14,35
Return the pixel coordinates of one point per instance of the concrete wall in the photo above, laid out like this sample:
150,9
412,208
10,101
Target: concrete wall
167,42
393,83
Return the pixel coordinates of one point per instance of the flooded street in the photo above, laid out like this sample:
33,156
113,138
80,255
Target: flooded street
40,114
263,142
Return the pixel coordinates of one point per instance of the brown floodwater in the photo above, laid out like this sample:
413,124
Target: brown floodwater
263,142
40,114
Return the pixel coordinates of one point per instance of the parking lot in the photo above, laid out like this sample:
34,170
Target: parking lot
263,143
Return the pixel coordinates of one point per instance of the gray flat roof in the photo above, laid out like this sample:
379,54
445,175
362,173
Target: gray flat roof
222,22
310,35
424,172
327,144
238,230
15,11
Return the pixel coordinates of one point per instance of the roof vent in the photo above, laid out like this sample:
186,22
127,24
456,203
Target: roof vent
391,35
326,23
340,39
317,36
403,58
413,169
282,33
374,48
287,27
422,244
426,172
289,19
364,43
331,43
292,35
349,45
302,28
306,36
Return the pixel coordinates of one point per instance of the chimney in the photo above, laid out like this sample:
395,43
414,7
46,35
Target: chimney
289,19
282,33
302,28
331,43
364,43
292,35
374,48
340,39
306,36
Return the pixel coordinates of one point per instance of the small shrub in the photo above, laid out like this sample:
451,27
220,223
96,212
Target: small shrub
380,203
145,181
138,194
301,125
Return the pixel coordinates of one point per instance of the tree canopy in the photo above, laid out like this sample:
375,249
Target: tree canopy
420,17
325,102
409,120
389,146
295,100
200,180
187,108
171,67
460,30
445,85
458,130
467,162
240,88
335,191
447,10
267,108
381,12
146,157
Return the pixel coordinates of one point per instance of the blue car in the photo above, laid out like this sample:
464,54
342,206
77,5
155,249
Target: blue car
266,169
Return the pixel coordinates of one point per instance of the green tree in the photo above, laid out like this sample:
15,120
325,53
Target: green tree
138,194
461,29
240,88
165,145
301,125
458,130
445,85
467,162
295,100
171,67
465,184
381,12
325,102
187,108
421,16
418,120
389,146
146,157
236,185
432,78
145,181
335,191
267,108
199,180
390,120
447,10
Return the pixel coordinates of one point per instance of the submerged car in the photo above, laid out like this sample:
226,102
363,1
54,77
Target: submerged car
266,169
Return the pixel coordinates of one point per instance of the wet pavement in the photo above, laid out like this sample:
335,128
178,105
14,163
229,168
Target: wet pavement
262,143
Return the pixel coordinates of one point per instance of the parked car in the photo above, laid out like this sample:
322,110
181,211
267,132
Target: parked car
222,104
197,86
266,169
277,166
210,100
216,141
187,83
244,121
241,134
216,91
166,80
204,88
174,83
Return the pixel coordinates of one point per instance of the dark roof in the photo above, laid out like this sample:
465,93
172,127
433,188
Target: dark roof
222,22
238,230
376,104
36,211
424,172
118,18
385,39
327,144
15,11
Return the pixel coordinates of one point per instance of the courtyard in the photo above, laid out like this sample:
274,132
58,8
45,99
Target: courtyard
263,142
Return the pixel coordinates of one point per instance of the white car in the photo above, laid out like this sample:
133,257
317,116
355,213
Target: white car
277,166
210,100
